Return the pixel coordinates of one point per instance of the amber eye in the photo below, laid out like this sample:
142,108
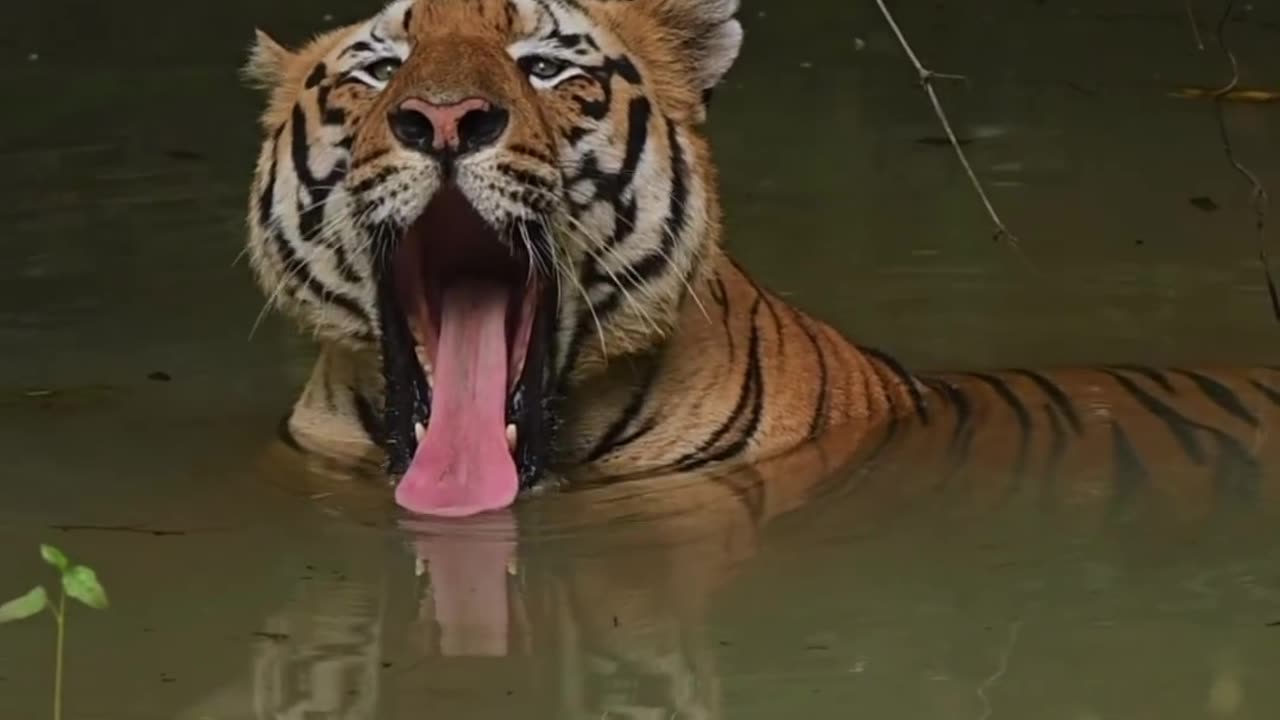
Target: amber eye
543,68
382,70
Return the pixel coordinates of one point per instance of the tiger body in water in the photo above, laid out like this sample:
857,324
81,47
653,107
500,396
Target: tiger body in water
501,221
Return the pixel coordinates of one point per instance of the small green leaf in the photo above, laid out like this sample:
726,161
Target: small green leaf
26,606
54,557
82,584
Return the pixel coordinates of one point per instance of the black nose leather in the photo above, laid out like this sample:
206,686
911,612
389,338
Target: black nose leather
449,129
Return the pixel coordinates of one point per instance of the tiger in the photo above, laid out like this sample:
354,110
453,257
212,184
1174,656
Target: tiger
500,220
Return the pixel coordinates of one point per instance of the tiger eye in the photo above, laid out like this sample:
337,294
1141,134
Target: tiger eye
544,68
382,70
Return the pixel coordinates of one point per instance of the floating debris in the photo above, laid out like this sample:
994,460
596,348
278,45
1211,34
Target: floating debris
1204,202
1237,95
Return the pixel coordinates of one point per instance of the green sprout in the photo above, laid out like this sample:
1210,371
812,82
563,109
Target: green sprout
78,581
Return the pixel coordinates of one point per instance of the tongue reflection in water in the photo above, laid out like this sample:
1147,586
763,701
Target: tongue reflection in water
466,566
463,464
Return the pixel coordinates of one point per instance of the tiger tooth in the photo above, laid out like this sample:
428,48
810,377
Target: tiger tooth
419,430
511,437
419,567
424,361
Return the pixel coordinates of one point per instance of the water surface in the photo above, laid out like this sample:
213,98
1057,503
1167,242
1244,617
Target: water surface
138,406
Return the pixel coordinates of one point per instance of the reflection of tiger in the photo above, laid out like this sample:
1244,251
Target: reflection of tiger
613,604
501,219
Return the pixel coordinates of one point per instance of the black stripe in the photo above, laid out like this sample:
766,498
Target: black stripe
330,115
644,429
1056,396
905,378
638,113
1269,392
1220,395
533,153
1150,373
1020,413
368,417
721,295
962,433
613,187
357,46
367,184
295,268
611,440
1129,472
1236,471
311,210
747,395
1183,429
345,268
821,410
526,177
777,322
550,15
653,263
317,76
748,432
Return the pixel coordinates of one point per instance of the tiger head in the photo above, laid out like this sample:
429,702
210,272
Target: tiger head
493,198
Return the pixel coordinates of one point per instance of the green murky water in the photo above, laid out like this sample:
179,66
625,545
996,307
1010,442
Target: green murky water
135,405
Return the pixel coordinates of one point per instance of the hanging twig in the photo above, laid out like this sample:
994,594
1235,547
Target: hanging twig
1258,198
926,80
1195,27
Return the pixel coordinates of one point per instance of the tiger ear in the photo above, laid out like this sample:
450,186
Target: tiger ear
709,35
267,60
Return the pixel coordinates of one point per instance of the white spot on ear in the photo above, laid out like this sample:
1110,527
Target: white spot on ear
718,50
710,35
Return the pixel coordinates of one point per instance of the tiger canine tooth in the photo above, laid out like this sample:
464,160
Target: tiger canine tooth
511,437
419,567
419,430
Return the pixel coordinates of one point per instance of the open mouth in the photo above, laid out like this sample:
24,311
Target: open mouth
466,331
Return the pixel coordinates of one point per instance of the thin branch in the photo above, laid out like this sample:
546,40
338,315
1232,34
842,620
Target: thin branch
1195,27
1258,197
927,77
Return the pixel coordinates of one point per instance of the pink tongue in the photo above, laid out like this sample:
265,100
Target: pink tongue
463,465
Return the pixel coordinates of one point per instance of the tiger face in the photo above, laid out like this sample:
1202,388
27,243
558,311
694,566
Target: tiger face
494,198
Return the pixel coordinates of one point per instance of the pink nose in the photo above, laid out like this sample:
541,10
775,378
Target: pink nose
452,128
